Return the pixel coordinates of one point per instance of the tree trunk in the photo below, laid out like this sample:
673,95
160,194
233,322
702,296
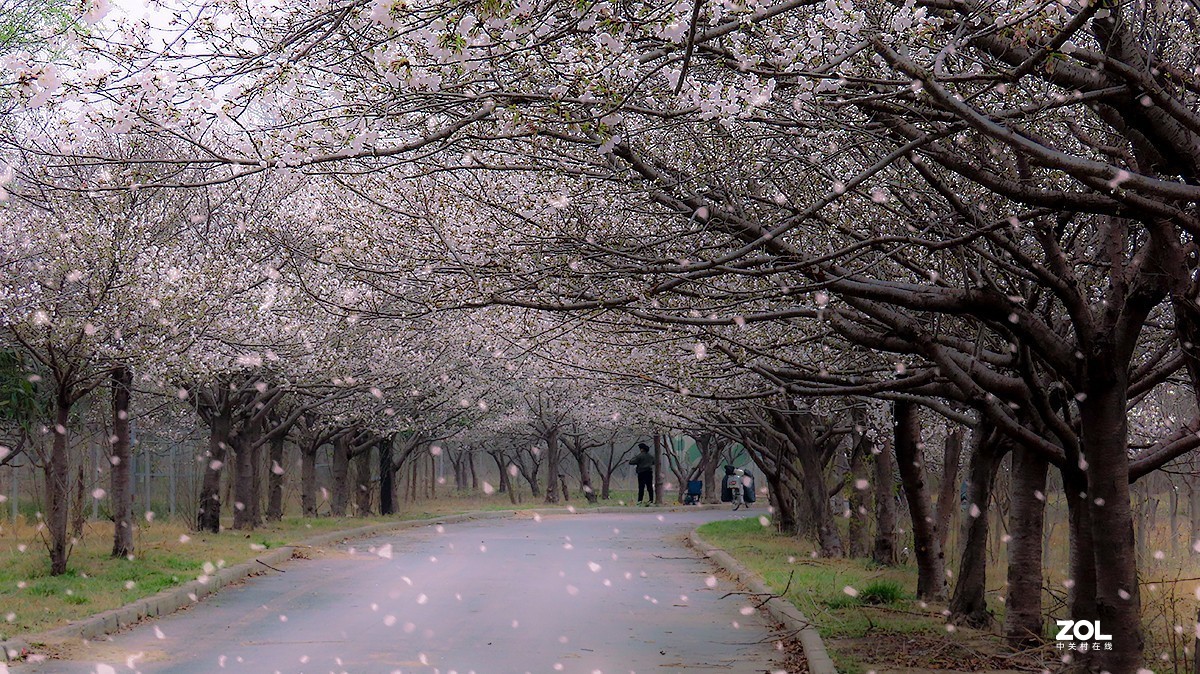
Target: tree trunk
829,541
433,460
1173,503
254,504
507,478
387,479
552,459
504,482
1104,438
410,494
931,569
884,551
362,474
308,478
968,605
860,488
78,514
1196,648
122,495
458,462
1081,595
275,481
1141,520
658,477
471,469
58,489
585,475
606,475
1194,513
340,475
712,488
208,516
243,496
948,501
1023,603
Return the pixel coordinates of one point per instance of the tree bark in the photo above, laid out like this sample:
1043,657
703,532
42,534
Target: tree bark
340,475
1104,437
860,488
433,475
784,502
275,480
1173,504
387,479
829,540
254,504
243,493
1023,603
658,475
710,456
122,496
308,478
968,605
948,494
931,569
552,460
208,516
57,472
504,482
585,473
362,475
78,515
884,551
1081,595
1194,513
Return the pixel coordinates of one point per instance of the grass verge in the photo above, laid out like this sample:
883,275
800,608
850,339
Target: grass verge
866,614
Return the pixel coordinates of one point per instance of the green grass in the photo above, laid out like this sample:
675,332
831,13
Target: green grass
845,599
819,587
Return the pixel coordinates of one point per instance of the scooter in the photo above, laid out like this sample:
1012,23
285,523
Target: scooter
734,484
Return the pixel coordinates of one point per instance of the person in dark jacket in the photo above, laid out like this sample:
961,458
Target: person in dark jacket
644,463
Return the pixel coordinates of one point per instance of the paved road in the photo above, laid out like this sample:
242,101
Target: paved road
608,593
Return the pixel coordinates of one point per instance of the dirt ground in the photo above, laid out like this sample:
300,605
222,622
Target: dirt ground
899,653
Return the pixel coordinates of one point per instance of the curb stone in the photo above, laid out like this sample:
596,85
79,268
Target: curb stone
782,610
172,599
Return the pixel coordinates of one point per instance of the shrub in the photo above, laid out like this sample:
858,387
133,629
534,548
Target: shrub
882,592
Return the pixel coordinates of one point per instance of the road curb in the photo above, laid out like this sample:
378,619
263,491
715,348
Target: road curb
175,598
782,610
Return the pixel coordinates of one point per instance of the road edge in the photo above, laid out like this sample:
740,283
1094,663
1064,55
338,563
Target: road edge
782,610
173,599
